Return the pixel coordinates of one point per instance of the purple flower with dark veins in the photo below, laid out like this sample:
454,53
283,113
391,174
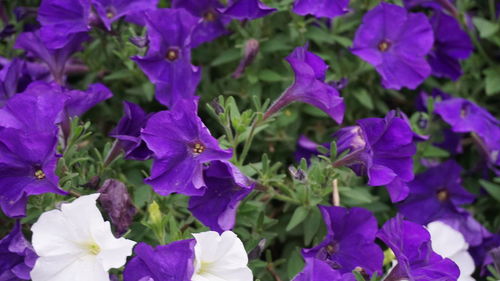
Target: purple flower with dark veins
350,241
247,9
411,244
116,201
226,187
395,42
17,256
27,167
382,149
110,11
128,132
172,262
318,270
54,58
168,60
451,45
321,8
181,145
310,86
465,116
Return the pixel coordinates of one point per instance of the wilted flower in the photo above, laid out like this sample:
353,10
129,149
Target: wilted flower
451,244
220,258
321,8
433,196
310,86
128,132
226,187
76,241
116,201
181,145
250,52
451,44
318,270
168,60
382,149
172,262
55,58
349,242
395,42
411,244
17,256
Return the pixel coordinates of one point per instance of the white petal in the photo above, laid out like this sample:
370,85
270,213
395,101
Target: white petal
466,264
65,268
446,241
83,214
114,252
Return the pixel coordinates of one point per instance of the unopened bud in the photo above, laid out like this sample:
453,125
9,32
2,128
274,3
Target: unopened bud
251,50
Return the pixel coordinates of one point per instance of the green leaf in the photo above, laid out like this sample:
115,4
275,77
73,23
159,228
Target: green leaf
364,98
269,76
486,28
226,57
294,264
492,80
435,152
299,215
493,189
311,226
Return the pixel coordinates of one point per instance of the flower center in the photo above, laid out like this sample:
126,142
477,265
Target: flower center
209,16
39,174
109,15
198,148
172,54
443,195
384,45
93,248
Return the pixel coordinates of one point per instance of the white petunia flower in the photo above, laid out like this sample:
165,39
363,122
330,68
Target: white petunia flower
220,258
451,244
75,243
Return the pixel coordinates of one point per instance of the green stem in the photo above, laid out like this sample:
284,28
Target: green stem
492,7
249,140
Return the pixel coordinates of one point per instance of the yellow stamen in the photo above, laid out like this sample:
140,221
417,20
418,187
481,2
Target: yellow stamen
442,195
39,174
384,46
93,248
172,54
198,148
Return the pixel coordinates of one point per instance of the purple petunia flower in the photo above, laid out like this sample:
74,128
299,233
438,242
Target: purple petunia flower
411,243
172,262
434,4
181,145
318,270
247,9
63,20
482,252
17,256
27,167
382,149
110,11
451,44
433,196
310,86
321,8
116,201
463,221
168,60
349,242
226,187
128,132
54,58
395,42
9,79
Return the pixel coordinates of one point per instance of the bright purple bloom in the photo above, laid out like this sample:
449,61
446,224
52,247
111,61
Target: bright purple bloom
54,58
481,252
168,60
451,45
310,86
128,132
116,201
349,242
27,167
9,79
433,196
382,149
17,256
463,221
247,9
395,42
172,262
318,270
226,187
62,20
467,117
437,5
321,8
212,22
181,145
110,11
411,243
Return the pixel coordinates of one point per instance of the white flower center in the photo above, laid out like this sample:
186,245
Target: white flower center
93,248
